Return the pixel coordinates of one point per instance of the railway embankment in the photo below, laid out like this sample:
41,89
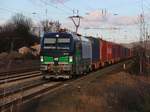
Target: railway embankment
111,89
117,92
9,66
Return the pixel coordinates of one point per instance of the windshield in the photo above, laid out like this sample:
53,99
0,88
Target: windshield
63,43
50,43
57,43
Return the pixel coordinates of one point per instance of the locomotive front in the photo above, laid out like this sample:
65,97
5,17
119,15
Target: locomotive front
57,55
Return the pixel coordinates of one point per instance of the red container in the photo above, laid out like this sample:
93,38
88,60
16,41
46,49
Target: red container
114,52
130,53
109,52
118,52
103,52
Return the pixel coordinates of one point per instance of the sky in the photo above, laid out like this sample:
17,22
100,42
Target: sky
117,22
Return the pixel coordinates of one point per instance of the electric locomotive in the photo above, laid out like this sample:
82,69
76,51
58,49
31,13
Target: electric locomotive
65,55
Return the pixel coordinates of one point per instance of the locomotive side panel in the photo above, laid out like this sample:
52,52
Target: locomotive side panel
86,54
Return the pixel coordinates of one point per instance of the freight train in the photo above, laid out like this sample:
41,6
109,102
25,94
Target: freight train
66,55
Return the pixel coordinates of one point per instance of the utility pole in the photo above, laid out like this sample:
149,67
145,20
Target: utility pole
76,19
142,40
141,43
46,19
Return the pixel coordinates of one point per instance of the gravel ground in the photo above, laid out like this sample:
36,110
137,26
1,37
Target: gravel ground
12,65
110,93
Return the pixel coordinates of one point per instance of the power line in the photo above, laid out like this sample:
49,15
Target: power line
8,10
148,3
67,7
51,5
15,11
60,9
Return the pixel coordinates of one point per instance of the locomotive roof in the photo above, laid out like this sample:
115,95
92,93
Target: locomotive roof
54,33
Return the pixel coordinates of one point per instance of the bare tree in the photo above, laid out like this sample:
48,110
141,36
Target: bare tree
22,24
16,33
51,26
9,27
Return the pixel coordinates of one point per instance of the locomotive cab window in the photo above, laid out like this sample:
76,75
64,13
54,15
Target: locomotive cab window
63,43
57,42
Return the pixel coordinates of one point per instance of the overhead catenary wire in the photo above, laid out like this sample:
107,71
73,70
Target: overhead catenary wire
8,10
15,11
147,2
40,3
58,8
67,7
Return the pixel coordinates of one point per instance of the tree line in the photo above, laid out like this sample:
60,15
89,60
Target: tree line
17,32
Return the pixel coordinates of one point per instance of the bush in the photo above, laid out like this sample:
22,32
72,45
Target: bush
128,99
3,55
14,55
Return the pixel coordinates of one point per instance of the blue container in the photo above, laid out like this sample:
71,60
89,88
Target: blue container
95,49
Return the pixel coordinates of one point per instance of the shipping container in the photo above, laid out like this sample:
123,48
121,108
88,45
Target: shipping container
128,53
114,52
117,53
109,52
95,52
120,53
103,52
124,52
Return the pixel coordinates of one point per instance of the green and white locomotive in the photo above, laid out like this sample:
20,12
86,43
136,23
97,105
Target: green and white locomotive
65,55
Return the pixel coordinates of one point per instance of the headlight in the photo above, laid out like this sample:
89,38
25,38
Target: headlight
56,59
70,59
42,59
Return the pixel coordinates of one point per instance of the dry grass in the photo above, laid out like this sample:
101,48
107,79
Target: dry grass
113,93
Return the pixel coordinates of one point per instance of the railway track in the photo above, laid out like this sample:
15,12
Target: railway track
4,92
26,93
21,76
21,70
35,90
